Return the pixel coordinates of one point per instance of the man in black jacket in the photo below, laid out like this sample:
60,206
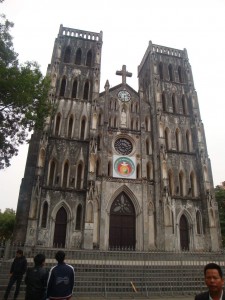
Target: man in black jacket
214,281
61,279
18,268
36,279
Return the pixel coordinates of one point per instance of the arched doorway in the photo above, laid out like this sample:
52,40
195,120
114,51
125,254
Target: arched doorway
184,233
60,228
122,223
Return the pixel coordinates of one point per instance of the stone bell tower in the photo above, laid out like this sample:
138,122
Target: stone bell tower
119,169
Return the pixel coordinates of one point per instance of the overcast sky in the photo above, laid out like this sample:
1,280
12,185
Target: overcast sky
128,26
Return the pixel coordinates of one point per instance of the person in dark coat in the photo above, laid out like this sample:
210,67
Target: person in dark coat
61,279
17,270
36,279
214,281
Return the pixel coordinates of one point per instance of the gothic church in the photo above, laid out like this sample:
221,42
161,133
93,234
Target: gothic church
119,169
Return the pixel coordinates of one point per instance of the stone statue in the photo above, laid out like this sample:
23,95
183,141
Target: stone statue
123,118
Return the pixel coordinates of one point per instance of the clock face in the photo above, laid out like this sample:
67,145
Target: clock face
124,96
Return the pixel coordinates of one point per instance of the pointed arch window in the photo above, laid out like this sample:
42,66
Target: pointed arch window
164,102
98,167
188,141
109,168
171,183
193,184
74,89
147,124
137,124
99,119
147,147
115,122
161,70
171,75
70,127
184,107
98,142
180,74
78,57
132,124
44,215
79,176
65,174
148,171
89,59
52,173
63,87
167,138
174,104
82,130
67,54
78,217
57,124
86,90
181,183
138,171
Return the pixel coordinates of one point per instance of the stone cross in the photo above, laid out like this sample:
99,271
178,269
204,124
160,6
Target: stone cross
124,74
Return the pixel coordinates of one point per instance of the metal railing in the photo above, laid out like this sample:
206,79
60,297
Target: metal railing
125,273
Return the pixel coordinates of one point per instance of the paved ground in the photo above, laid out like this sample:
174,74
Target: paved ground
21,297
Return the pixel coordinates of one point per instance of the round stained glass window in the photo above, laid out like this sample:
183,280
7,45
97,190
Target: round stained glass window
123,146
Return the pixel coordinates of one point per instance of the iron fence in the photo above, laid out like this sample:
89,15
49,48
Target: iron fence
119,273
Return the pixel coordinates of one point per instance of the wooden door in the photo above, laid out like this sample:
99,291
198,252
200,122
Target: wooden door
60,228
184,233
122,223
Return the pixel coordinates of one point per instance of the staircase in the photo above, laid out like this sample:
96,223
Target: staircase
125,274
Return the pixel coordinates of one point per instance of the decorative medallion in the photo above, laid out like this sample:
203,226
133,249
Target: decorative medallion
124,167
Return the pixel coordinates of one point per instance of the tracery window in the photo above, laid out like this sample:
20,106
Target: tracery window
63,87
44,215
74,89
123,146
78,57
78,217
89,59
67,54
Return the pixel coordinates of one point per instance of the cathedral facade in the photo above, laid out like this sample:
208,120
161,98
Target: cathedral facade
119,169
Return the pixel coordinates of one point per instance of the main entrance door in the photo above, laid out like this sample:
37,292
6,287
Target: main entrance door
184,233
60,228
122,223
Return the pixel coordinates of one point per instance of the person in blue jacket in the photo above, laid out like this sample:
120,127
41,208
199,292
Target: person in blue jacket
61,279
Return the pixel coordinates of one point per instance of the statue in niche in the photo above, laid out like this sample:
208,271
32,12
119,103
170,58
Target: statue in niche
123,118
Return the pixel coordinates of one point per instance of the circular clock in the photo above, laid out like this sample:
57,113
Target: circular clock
124,96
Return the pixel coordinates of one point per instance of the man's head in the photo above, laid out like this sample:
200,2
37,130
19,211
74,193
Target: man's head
39,260
19,253
60,256
214,278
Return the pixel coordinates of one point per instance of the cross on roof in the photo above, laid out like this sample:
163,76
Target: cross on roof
124,74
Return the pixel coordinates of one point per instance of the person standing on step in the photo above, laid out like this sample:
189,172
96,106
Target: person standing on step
61,279
36,279
215,283
17,270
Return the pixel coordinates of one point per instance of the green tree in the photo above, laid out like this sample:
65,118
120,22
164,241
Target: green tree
24,101
220,198
7,222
